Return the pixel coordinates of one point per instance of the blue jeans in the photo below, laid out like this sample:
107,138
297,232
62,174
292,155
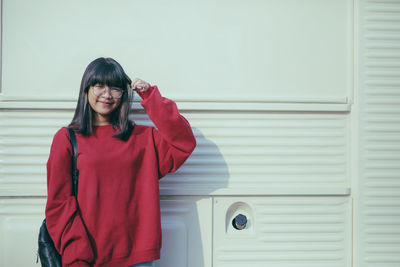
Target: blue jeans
144,264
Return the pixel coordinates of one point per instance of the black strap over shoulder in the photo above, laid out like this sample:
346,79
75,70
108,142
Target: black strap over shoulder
74,169
47,252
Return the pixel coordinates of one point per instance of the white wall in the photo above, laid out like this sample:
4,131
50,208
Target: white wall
294,105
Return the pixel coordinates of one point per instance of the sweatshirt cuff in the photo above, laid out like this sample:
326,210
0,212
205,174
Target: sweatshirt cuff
146,93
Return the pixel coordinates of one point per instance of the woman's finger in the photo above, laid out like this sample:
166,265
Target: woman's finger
134,84
140,85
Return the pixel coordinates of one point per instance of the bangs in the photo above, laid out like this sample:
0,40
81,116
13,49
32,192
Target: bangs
109,75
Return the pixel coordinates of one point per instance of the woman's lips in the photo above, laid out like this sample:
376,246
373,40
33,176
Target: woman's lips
106,103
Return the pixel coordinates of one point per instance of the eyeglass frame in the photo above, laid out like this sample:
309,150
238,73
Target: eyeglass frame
104,90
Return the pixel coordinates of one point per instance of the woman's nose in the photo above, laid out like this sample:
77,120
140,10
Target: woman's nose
107,92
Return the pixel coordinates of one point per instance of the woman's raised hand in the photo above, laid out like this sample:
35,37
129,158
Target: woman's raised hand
139,85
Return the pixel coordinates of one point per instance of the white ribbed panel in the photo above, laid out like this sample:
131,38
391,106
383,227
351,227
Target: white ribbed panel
263,150
283,232
253,150
379,131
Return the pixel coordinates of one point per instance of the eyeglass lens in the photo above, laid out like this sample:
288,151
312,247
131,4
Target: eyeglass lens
99,90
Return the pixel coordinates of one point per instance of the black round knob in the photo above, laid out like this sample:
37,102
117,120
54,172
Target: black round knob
239,222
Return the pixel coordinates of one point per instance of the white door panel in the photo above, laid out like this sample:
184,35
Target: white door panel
20,220
187,232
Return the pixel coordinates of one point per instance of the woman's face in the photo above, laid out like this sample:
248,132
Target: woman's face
103,104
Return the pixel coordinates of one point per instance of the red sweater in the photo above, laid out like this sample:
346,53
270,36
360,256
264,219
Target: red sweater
117,222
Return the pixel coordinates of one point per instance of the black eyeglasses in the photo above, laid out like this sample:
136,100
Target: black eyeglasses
100,89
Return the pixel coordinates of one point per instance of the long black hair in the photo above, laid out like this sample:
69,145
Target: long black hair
109,72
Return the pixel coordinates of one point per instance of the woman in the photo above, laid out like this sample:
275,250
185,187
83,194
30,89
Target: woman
116,220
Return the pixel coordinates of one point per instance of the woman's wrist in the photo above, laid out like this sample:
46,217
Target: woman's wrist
146,93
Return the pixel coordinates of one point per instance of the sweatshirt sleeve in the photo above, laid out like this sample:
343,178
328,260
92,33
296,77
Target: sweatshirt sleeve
174,140
63,218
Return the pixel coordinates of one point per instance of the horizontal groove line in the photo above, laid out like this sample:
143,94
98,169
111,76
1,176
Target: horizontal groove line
382,149
281,260
382,139
380,251
310,211
299,232
205,145
286,248
384,29
305,239
383,102
381,223
222,171
382,83
222,123
382,1
383,194
211,157
386,213
315,221
382,10
383,186
382,111
239,133
385,157
381,234
283,257
299,202
372,176
371,21
381,45
239,136
382,37
381,75
392,202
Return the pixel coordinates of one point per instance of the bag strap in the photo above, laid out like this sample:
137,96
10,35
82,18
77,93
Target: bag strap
74,170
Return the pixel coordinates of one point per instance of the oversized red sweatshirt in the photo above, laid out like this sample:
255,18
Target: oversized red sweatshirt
116,221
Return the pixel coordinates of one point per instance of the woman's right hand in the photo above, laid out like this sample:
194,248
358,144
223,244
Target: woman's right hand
140,86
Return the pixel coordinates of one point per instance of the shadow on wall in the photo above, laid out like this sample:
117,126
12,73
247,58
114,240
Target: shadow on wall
187,219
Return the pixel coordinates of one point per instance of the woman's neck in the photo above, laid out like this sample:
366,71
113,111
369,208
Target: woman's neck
101,120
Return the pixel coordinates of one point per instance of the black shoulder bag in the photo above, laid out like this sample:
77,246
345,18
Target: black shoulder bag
49,256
